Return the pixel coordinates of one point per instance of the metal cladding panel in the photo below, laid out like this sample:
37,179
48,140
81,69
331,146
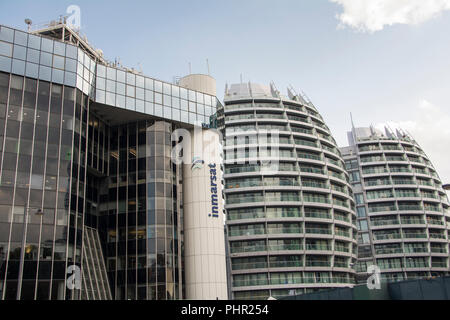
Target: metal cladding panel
204,240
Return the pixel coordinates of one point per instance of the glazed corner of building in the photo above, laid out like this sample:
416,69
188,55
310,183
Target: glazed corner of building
58,54
118,95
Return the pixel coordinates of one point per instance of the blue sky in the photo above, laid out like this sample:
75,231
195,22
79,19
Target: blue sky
390,65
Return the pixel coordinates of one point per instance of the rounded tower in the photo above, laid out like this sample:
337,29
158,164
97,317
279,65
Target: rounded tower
289,204
401,206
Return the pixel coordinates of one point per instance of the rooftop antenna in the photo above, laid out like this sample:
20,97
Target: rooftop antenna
351,119
207,64
241,78
190,68
353,127
28,23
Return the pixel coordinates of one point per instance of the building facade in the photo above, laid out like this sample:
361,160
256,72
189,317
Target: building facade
403,212
91,201
289,205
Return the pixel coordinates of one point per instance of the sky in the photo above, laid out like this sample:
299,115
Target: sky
384,61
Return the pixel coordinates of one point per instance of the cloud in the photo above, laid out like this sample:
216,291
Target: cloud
429,125
374,15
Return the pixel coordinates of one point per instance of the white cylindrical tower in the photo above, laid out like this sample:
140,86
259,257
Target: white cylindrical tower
204,241
199,82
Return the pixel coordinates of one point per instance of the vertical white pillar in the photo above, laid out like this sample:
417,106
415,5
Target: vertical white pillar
204,241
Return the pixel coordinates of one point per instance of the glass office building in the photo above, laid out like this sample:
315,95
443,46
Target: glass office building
403,212
290,208
87,183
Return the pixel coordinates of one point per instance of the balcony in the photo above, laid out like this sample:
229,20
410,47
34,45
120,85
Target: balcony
318,231
248,249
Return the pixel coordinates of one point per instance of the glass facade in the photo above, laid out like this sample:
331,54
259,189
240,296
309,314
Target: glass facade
86,187
43,58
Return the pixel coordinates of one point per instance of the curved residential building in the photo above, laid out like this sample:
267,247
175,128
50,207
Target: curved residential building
289,204
402,209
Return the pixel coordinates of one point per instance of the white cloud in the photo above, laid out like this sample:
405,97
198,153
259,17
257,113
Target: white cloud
374,15
429,125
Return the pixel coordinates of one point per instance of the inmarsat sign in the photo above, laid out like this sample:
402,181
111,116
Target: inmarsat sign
214,198
200,149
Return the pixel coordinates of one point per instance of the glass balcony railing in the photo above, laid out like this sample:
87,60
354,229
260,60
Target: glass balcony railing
247,232
285,264
312,170
371,159
317,247
313,184
240,117
368,148
437,235
439,249
381,208
321,215
340,264
435,222
284,198
299,119
417,264
438,264
305,143
317,263
387,236
341,217
248,249
318,230
244,199
399,182
340,203
283,247
302,130
374,171
338,188
249,168
405,207
342,233
377,223
316,199
371,183
309,156
412,221
270,116
409,235
390,266
283,230
390,147
394,158
388,250
243,184
246,215
342,249
250,283
250,265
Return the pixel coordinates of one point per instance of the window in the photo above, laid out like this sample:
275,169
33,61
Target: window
354,176
362,225
359,198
